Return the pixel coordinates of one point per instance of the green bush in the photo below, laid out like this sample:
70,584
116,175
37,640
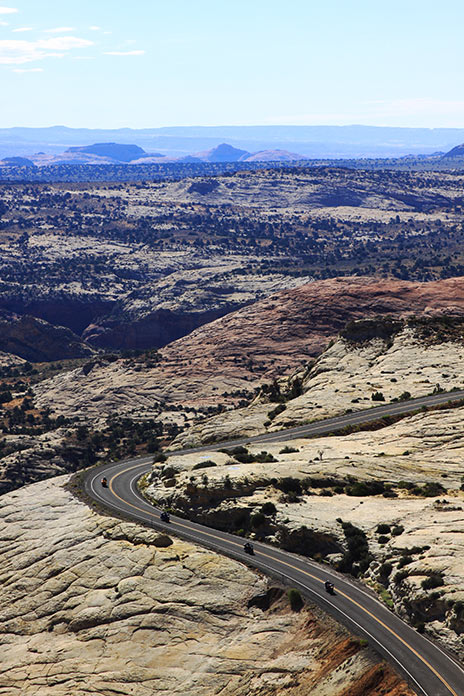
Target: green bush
363,488
377,396
405,560
406,485
288,484
268,508
383,528
383,539
204,465
275,411
385,569
432,581
257,520
263,457
295,599
431,489
397,530
357,551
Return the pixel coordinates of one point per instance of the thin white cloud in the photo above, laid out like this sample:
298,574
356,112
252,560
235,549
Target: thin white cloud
63,43
124,53
27,70
94,28
58,30
3,24
8,10
21,29
17,52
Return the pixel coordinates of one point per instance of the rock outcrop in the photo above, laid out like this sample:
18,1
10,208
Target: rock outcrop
38,341
93,605
402,486
254,345
357,372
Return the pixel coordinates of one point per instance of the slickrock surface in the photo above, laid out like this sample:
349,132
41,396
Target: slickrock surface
345,377
92,605
38,457
268,339
9,360
424,448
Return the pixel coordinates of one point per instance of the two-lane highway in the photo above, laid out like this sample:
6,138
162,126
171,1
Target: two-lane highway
430,670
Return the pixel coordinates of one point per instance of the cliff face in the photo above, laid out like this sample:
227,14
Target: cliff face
238,352
94,605
38,341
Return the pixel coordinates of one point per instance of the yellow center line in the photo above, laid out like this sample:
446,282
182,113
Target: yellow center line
300,570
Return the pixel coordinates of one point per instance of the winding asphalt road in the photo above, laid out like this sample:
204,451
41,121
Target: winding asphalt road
428,669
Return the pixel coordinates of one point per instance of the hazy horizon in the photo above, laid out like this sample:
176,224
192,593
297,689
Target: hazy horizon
151,64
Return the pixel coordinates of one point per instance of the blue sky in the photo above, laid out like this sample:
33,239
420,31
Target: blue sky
149,63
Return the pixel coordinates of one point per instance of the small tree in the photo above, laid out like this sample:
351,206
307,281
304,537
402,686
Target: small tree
295,599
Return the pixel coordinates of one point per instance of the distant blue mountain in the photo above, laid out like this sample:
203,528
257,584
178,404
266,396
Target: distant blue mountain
17,162
116,151
180,141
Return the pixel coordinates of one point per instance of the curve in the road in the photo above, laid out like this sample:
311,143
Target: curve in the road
430,670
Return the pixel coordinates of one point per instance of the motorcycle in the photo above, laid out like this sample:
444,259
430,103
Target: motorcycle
329,587
248,548
104,482
164,517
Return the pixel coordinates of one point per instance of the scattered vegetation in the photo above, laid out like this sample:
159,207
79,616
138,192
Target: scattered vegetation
295,599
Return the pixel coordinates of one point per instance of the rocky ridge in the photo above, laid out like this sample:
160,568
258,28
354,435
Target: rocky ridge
239,352
348,376
402,486
95,605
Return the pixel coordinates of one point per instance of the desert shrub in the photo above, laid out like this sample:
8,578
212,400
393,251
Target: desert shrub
159,458
321,482
405,396
169,472
404,560
244,458
257,520
406,485
432,581
268,508
397,530
389,493
363,488
204,465
275,411
295,599
288,484
377,396
263,457
357,551
383,539
429,490
400,576
385,569
383,528
288,450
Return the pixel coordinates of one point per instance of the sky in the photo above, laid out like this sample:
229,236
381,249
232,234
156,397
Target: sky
151,63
